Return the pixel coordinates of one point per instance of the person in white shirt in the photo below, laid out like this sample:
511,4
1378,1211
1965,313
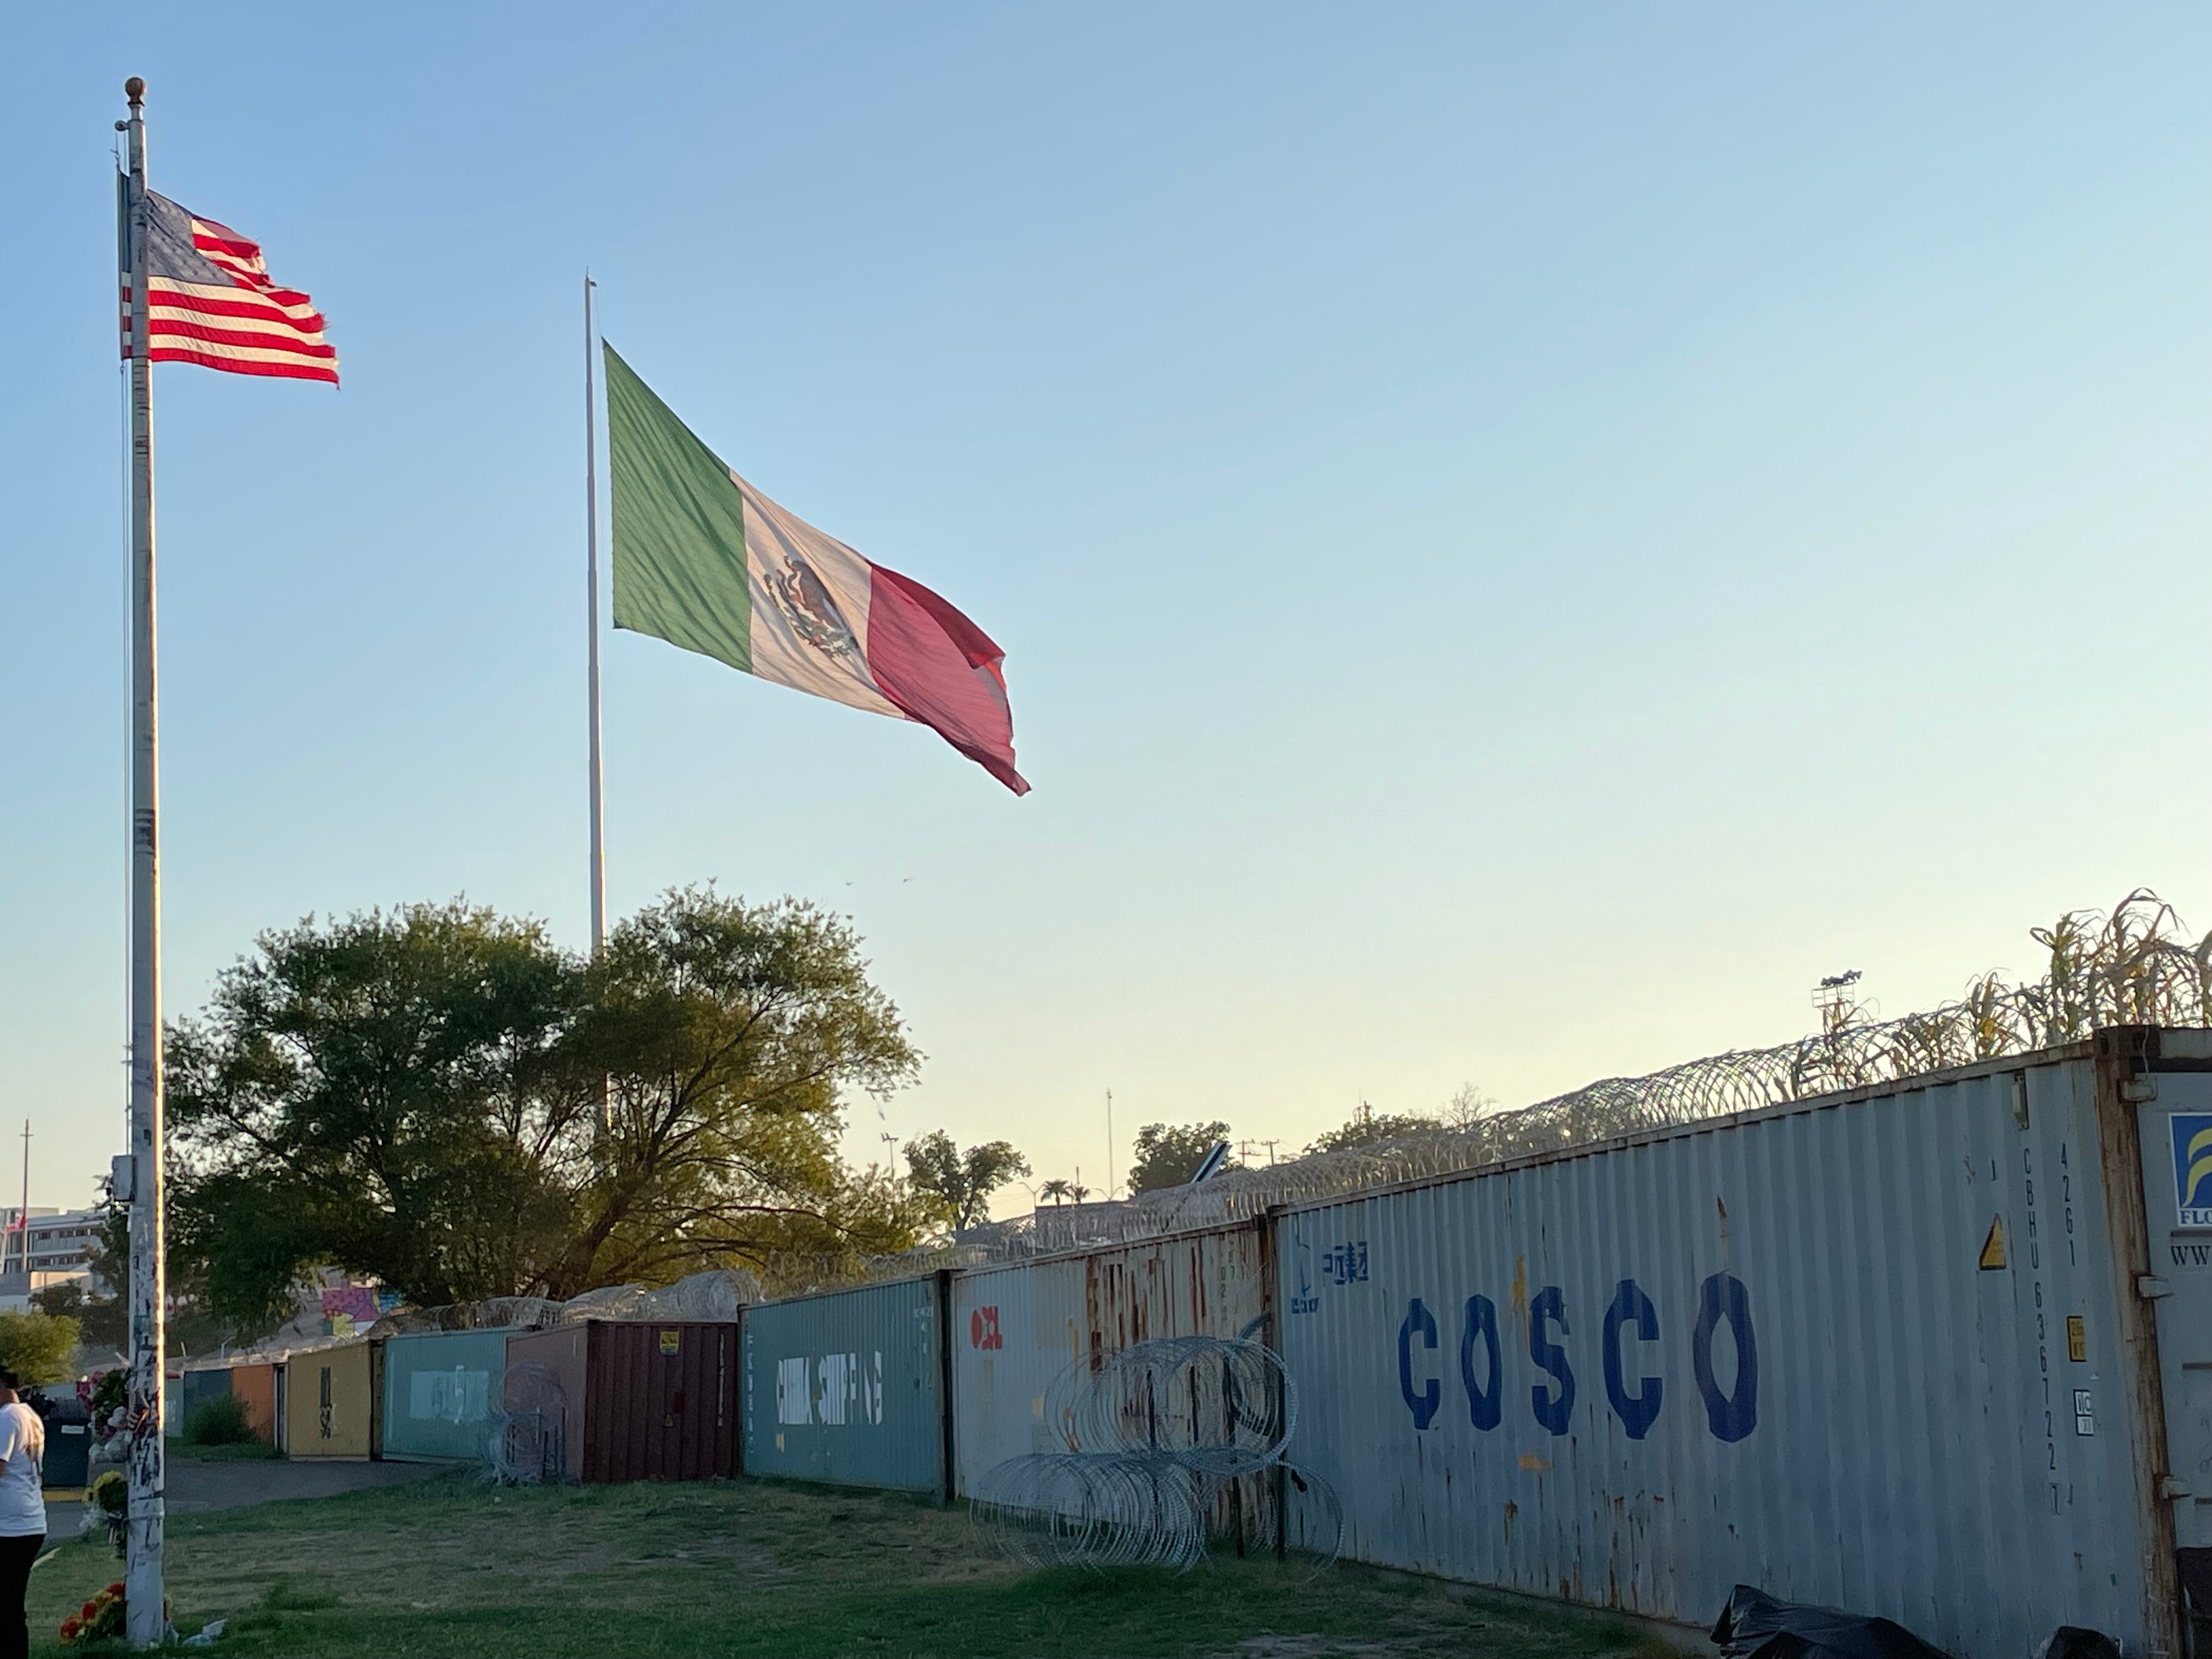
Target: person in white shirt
22,1512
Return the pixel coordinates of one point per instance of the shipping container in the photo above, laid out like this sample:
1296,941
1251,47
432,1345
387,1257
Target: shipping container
195,1389
255,1388
611,1400
331,1397
173,1406
1939,1349
848,1387
546,1390
1017,1331
437,1393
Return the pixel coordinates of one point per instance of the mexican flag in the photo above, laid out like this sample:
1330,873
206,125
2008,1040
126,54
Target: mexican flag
703,559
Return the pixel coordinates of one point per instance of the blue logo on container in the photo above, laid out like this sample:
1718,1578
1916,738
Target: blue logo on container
1305,1301
2192,1167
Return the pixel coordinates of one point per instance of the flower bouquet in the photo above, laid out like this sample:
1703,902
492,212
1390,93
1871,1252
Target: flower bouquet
98,1619
101,1619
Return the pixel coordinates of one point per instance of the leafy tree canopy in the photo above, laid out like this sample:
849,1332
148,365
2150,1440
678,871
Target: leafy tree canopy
102,1322
1169,1154
960,1183
442,1098
37,1346
1367,1127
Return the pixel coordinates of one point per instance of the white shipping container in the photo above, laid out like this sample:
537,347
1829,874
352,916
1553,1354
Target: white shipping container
1019,1330
1939,1351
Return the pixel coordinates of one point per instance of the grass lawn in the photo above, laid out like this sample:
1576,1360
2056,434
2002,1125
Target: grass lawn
451,1566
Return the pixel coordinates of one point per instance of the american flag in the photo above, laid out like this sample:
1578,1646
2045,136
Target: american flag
211,301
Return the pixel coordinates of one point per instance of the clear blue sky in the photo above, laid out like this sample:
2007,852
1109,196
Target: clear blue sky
1523,536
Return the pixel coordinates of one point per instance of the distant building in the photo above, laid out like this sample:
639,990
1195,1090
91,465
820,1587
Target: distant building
55,1249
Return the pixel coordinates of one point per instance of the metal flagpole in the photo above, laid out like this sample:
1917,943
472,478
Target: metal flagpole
591,658
592,614
143,1575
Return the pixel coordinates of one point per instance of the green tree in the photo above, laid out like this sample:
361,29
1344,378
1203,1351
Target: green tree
37,1346
1169,1154
102,1322
440,1098
730,1032
960,1184
1366,1127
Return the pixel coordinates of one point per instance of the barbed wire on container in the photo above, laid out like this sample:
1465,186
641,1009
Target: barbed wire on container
1163,1444
2134,966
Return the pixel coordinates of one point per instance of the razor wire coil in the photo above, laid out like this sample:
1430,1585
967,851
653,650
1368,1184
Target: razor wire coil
1157,1438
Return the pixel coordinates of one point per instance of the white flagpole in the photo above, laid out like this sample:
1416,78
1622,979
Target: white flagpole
142,1576
592,658
591,616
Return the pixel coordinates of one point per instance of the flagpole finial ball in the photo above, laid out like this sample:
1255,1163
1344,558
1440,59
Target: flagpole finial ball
134,89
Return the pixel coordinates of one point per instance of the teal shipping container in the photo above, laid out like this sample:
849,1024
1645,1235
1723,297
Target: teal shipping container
848,1387
195,1389
439,1386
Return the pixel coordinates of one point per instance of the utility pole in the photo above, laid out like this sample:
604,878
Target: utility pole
148,1470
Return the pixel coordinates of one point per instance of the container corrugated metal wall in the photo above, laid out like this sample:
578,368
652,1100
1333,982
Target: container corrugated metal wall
195,1389
563,1351
662,1401
642,1401
331,1397
1016,1330
255,1387
2168,1076
437,1393
1874,1351
847,1387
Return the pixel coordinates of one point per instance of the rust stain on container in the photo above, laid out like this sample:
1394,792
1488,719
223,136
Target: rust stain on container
1018,1330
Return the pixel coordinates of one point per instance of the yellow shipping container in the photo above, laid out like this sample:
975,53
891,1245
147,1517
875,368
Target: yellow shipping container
331,1401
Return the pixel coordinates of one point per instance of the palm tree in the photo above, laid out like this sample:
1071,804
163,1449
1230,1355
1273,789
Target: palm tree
1058,1191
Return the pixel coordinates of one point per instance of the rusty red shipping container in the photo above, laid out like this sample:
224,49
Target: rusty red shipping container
634,1401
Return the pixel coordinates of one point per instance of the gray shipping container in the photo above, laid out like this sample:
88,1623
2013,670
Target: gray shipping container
847,1387
438,1392
1016,1330
1939,1349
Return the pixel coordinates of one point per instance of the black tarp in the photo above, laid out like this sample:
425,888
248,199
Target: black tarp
1755,1625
